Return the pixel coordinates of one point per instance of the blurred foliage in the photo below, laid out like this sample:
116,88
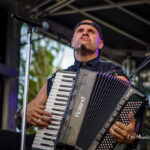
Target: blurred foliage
144,85
144,144
41,67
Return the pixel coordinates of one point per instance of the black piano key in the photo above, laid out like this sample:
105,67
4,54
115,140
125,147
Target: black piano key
50,128
55,119
60,99
50,134
56,114
61,95
59,104
57,109
64,90
55,124
65,76
48,139
67,80
43,144
67,86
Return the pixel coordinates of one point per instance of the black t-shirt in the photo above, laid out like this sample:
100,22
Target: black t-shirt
94,64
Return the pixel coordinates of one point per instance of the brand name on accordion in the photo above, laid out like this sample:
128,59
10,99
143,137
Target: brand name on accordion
79,108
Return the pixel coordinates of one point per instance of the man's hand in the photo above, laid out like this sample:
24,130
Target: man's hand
37,116
122,133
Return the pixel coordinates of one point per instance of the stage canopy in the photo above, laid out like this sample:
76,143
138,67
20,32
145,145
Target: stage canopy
125,24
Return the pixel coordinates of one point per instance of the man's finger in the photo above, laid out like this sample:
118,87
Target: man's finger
41,117
120,125
119,131
115,134
43,112
132,120
41,106
39,123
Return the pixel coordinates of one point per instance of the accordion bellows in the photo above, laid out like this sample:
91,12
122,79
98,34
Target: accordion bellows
83,107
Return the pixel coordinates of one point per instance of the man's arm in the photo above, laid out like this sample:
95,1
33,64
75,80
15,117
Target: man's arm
36,115
122,132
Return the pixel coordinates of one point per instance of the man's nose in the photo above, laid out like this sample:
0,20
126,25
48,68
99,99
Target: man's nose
85,33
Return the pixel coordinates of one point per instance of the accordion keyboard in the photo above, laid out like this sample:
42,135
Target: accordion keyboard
56,105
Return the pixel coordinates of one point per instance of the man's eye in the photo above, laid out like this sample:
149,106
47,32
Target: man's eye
91,31
80,30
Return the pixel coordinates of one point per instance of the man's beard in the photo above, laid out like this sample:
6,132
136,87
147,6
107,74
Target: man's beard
83,50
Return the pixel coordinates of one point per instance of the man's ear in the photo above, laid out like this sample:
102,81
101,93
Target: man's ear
101,44
72,42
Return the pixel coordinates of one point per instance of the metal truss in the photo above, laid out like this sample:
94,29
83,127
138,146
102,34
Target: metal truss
55,10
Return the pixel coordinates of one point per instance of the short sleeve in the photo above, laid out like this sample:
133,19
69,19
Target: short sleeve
49,83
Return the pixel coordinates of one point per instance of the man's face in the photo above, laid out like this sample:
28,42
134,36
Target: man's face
86,36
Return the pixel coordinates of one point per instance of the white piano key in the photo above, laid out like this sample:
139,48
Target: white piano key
61,88
57,98
46,145
66,74
55,122
64,78
40,136
54,96
55,108
50,107
57,112
42,147
60,109
63,81
42,131
53,127
53,102
56,117
56,92
39,140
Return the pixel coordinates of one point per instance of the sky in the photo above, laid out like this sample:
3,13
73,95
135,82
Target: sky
68,58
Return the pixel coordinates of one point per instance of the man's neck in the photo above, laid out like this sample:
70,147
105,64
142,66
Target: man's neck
84,58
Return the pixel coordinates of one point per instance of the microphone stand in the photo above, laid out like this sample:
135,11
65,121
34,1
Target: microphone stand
26,85
140,67
30,23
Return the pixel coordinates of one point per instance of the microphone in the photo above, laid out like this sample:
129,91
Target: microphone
31,22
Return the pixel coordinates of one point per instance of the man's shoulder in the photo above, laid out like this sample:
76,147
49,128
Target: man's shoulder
111,68
108,66
108,63
70,68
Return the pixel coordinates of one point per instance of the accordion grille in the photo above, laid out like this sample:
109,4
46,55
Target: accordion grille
106,94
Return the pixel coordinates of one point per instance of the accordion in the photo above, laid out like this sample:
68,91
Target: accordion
84,105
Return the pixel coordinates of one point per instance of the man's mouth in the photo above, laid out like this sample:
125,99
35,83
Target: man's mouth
84,38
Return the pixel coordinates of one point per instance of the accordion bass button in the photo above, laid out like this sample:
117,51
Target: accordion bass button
111,120
115,114
118,108
103,131
107,125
